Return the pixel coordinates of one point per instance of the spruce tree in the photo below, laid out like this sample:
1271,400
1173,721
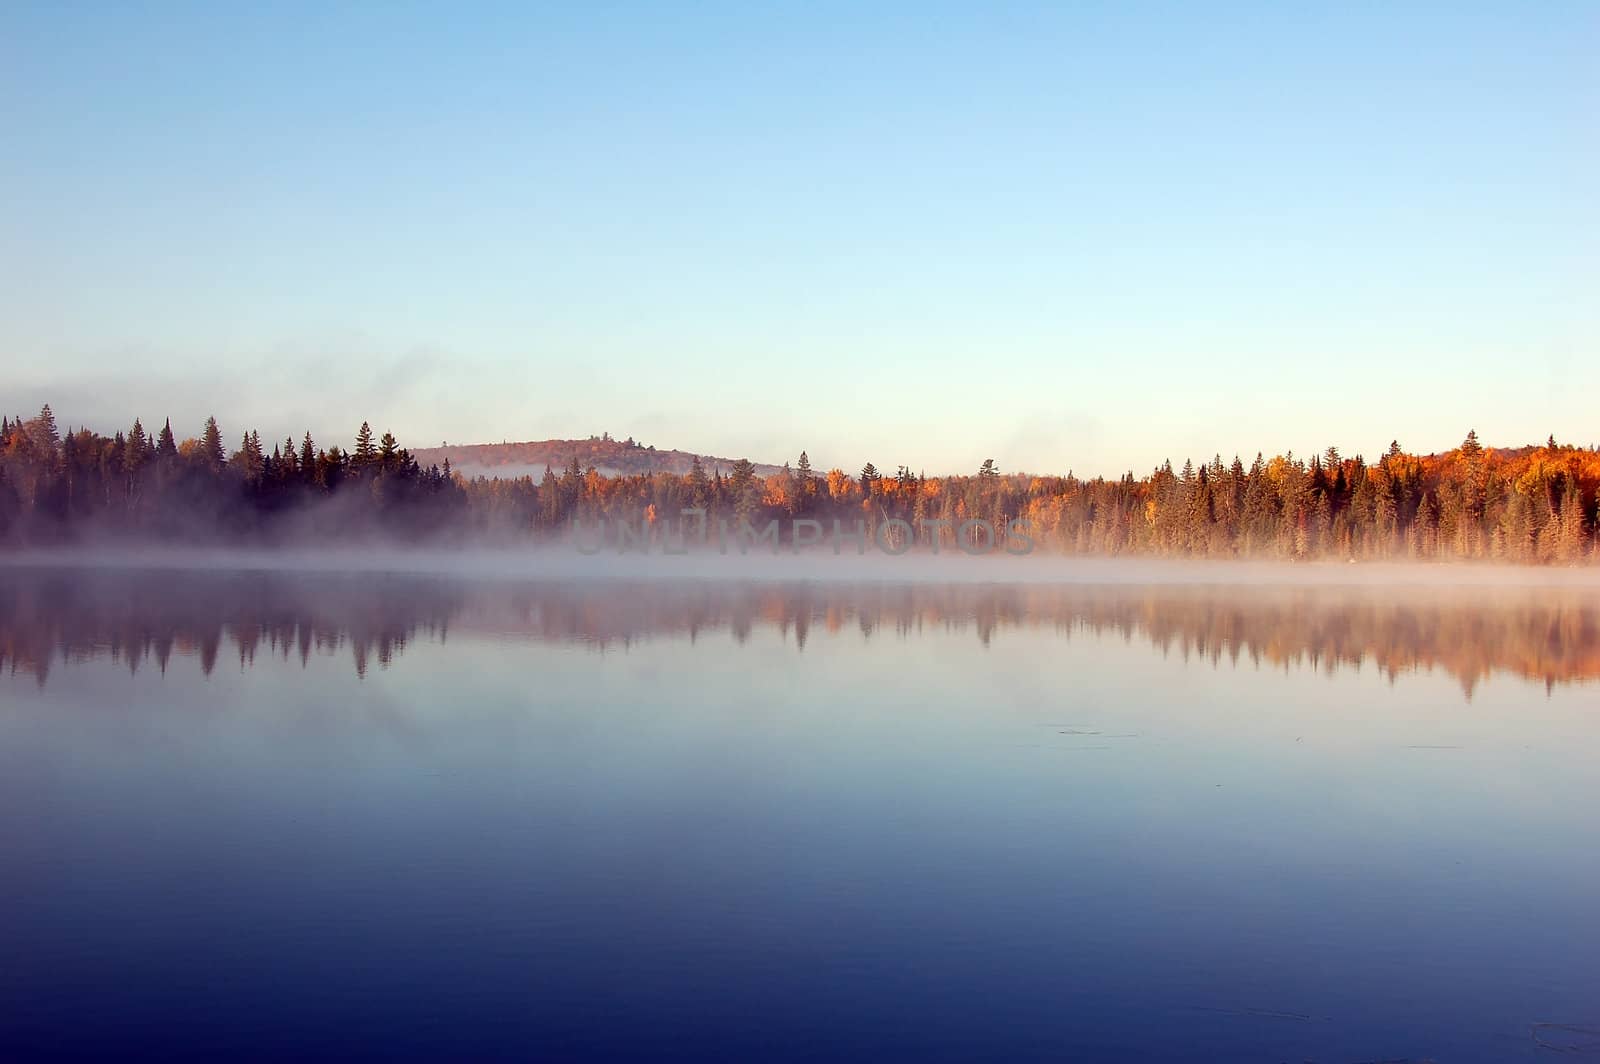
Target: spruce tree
699,487
134,449
388,451
364,452
211,449
166,444
43,430
550,498
741,484
1569,544
805,483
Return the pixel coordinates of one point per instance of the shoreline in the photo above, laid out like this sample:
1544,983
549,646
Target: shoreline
557,563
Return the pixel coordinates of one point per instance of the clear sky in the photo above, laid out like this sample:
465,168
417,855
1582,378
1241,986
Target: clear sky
1066,236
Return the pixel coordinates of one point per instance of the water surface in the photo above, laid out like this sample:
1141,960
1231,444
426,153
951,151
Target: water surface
258,815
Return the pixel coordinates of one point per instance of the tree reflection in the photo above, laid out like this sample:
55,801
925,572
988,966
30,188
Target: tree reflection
50,618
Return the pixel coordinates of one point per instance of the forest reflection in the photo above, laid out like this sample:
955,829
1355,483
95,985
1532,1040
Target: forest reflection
143,618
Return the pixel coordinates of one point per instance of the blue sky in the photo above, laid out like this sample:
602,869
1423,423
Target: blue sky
1065,236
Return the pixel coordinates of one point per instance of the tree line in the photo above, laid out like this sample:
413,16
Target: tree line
1533,504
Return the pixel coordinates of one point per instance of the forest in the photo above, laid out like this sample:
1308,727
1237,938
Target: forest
1529,504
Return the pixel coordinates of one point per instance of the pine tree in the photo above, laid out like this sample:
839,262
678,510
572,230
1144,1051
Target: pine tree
166,444
805,483
741,484
252,462
134,449
43,430
1569,544
699,487
364,452
742,475
388,451
550,499
1424,530
869,477
211,449
1260,511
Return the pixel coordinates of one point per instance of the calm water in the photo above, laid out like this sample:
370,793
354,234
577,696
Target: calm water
246,815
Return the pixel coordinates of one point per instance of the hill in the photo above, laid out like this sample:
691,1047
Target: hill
612,458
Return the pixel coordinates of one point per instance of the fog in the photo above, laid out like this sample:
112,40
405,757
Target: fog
565,562
50,614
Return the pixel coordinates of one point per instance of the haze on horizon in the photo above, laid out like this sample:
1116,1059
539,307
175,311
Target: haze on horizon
1065,239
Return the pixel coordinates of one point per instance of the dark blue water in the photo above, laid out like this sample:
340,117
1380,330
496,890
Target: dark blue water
246,816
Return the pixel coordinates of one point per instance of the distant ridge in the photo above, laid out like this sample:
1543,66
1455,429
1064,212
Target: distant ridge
609,457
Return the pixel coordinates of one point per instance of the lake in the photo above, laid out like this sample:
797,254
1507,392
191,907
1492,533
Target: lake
275,815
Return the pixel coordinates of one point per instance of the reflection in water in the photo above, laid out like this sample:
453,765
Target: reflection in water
793,822
49,616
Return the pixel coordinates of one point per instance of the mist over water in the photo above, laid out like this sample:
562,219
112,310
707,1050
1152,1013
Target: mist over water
1271,615
817,564
514,806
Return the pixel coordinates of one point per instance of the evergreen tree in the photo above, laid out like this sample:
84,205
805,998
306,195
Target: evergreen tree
805,484
365,452
211,449
699,486
166,445
550,499
1259,517
134,449
252,462
741,484
1570,538
388,451
43,430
